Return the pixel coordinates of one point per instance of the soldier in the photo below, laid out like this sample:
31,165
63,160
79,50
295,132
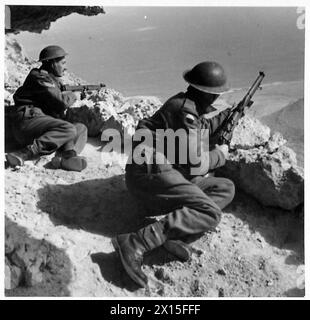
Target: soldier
191,204
37,117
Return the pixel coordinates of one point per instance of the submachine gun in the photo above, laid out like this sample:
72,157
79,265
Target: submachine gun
224,133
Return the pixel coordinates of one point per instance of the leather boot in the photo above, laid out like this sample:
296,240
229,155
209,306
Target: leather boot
19,157
132,246
182,248
179,249
69,160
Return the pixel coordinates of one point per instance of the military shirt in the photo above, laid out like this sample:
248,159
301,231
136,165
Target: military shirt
184,111
43,90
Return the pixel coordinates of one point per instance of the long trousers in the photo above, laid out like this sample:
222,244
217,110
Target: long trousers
47,134
190,207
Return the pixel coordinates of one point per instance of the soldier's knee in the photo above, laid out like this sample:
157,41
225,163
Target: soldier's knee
81,128
230,189
213,214
217,219
70,130
227,188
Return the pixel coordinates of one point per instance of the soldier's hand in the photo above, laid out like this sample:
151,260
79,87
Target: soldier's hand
224,149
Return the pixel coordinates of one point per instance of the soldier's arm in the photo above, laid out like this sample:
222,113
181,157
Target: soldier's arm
204,159
213,122
216,159
51,96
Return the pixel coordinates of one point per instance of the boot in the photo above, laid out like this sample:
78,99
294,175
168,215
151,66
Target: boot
68,160
132,246
19,157
179,249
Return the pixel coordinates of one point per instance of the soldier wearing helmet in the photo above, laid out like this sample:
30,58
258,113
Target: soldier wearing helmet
38,116
191,204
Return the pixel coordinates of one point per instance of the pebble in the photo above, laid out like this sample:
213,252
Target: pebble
198,251
221,272
221,292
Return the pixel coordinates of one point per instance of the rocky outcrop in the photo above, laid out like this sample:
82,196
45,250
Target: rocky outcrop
249,133
262,166
289,121
108,109
58,222
38,18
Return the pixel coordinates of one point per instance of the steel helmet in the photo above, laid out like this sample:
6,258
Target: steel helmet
208,76
51,52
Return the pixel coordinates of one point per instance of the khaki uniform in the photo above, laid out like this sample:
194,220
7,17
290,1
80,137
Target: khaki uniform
192,204
37,117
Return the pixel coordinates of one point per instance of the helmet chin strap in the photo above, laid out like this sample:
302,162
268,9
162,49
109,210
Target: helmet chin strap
55,68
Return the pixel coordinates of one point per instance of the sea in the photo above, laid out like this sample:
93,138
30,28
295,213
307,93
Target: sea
144,50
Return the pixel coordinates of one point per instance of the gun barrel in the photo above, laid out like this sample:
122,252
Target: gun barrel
83,87
254,87
226,129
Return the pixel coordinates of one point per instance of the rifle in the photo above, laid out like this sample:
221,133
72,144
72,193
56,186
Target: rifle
224,133
83,87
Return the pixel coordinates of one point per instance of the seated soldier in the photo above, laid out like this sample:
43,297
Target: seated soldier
190,200
37,117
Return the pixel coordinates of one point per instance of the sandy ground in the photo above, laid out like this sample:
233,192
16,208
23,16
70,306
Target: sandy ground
256,251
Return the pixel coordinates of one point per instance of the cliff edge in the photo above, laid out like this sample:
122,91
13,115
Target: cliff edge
59,224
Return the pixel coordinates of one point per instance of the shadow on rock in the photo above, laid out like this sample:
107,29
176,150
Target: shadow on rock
10,144
112,270
102,206
95,141
280,228
34,267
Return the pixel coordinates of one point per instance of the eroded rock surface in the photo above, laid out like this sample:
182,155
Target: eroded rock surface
108,109
262,166
59,223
